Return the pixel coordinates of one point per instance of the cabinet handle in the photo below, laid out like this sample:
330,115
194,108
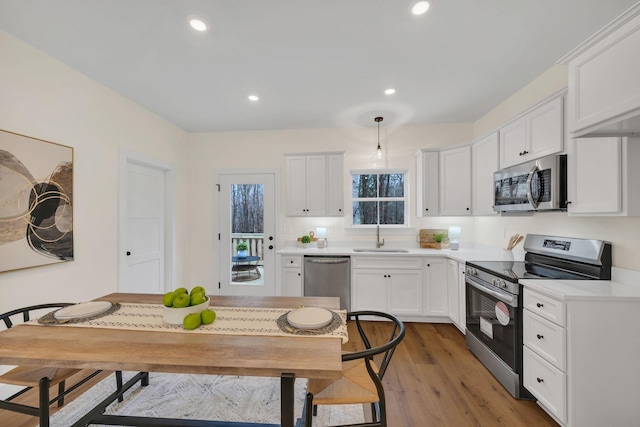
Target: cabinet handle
467,208
521,153
426,209
428,265
340,210
539,336
539,305
525,152
291,262
298,274
270,246
568,202
540,380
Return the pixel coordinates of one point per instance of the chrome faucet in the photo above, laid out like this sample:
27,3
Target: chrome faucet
378,242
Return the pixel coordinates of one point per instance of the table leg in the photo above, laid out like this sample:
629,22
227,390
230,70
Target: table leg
287,400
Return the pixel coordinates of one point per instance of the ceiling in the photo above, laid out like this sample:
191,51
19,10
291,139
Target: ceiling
314,64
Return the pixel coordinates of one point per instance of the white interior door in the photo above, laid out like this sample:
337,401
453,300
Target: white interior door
247,205
145,230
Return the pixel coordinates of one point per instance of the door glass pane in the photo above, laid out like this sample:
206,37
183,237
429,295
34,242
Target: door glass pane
365,212
247,227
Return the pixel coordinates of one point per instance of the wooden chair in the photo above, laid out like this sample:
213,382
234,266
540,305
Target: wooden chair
361,380
41,377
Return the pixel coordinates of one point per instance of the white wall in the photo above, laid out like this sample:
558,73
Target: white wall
238,150
623,233
42,98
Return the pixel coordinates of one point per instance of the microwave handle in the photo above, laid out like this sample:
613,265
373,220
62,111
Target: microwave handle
534,203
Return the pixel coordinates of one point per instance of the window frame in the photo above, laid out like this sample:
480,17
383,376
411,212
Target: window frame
379,199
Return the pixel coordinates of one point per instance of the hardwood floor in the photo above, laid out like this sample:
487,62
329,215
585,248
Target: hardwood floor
433,380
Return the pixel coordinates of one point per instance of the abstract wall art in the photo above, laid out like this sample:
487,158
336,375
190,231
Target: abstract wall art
36,202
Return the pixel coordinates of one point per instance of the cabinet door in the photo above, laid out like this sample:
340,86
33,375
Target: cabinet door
484,162
405,292
296,185
595,178
512,143
453,297
292,282
435,301
428,183
455,181
335,185
462,298
316,188
544,130
368,290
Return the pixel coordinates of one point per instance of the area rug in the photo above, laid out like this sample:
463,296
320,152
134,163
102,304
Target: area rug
206,397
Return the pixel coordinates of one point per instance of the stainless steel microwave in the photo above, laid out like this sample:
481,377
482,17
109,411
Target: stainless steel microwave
538,185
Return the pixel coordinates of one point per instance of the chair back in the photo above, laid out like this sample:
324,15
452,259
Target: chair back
26,312
387,349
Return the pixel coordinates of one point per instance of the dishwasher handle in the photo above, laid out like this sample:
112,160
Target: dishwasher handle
325,260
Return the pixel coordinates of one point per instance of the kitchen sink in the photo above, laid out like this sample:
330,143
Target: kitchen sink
404,251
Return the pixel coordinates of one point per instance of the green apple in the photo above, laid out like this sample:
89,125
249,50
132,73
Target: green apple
191,321
182,291
198,298
197,289
168,298
207,316
181,300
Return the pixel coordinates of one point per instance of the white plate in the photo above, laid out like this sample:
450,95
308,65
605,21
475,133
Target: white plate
84,309
309,318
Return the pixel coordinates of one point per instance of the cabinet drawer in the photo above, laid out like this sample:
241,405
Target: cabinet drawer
291,261
402,262
545,306
545,338
545,382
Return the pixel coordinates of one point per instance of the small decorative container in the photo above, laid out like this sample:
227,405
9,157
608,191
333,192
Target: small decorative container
242,253
175,316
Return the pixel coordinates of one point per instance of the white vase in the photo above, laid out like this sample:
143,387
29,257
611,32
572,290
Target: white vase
242,253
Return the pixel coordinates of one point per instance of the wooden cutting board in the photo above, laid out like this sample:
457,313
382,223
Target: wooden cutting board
426,238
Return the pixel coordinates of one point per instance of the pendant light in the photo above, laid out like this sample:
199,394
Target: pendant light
378,120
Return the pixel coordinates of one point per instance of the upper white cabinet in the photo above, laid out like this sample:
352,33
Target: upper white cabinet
603,176
537,133
455,181
428,183
604,80
315,184
484,162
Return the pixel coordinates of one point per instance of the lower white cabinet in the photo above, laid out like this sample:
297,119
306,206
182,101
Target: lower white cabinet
580,356
388,284
456,293
435,287
291,276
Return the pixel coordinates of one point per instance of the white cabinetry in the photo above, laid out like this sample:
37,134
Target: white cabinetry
455,181
389,284
291,276
456,293
538,133
484,162
314,184
428,179
435,287
603,176
580,355
604,80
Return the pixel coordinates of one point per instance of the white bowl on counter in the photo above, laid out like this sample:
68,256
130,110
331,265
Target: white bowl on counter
175,316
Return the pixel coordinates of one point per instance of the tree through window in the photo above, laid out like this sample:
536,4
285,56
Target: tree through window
378,198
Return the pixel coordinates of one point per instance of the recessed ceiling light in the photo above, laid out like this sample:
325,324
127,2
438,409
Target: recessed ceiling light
390,91
253,98
420,7
198,24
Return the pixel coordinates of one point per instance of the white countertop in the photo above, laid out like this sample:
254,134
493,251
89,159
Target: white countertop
585,290
463,254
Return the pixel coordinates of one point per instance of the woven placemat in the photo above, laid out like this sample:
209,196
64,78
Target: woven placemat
50,319
283,324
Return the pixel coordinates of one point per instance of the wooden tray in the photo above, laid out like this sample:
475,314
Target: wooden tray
426,238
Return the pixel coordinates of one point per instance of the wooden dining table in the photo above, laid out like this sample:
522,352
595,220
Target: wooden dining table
288,358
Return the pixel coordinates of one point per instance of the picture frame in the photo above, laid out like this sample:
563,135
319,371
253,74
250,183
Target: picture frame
36,202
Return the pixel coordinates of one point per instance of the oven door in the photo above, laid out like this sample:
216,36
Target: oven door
493,317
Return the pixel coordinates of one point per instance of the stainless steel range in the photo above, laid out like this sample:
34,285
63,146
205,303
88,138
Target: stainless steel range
494,298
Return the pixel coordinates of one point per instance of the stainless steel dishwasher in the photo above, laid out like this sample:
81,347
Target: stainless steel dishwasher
328,276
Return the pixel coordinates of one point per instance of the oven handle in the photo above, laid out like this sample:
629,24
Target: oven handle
512,301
